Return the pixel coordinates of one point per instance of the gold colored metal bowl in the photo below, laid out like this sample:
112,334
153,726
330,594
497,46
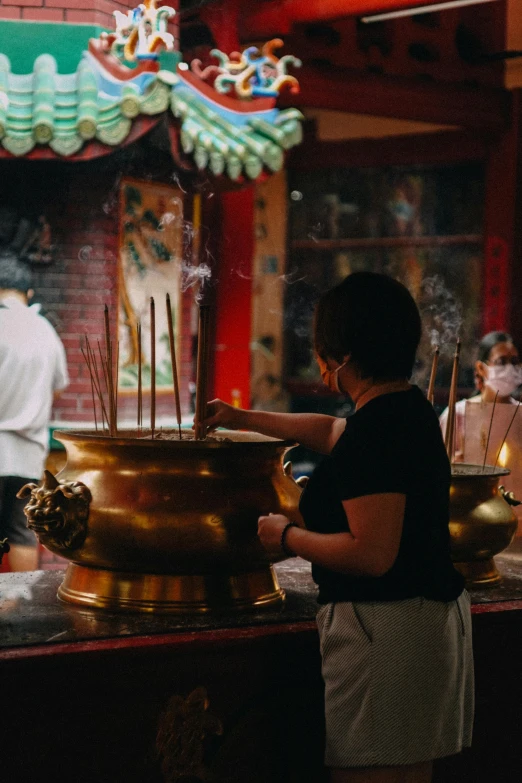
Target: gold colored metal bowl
165,525
482,522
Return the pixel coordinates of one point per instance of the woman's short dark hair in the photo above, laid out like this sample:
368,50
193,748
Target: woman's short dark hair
373,318
14,274
489,341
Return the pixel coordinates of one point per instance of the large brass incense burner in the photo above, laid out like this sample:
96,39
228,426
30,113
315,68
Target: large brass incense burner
482,522
163,525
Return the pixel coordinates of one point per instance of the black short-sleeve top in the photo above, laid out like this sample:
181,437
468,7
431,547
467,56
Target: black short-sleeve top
392,444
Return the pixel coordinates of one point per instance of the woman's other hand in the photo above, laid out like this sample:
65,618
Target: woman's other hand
269,530
222,415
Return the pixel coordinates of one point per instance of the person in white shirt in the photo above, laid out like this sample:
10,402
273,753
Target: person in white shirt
498,374
33,370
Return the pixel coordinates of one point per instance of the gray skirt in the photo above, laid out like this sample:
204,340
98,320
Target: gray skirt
398,681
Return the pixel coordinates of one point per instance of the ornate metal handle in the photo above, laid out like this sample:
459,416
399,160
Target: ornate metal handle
302,481
58,511
509,497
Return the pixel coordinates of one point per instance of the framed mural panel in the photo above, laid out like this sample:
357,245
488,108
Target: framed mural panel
150,258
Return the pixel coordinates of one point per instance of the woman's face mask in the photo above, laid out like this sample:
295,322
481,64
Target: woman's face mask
329,377
504,378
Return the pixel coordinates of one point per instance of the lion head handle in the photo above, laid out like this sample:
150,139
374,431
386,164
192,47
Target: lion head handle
57,512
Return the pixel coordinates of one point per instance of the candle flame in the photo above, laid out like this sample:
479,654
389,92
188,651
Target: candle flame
503,457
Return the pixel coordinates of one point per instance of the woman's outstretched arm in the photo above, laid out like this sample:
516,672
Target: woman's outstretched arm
313,430
370,548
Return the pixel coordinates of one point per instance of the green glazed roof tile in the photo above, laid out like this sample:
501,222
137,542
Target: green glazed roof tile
240,150
65,111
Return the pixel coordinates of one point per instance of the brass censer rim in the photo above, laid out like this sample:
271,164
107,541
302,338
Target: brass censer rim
225,439
462,470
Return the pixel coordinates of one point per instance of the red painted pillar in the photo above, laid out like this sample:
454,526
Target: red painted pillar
234,298
233,293
502,253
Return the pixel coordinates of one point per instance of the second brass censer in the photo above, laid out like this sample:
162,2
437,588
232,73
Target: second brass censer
482,521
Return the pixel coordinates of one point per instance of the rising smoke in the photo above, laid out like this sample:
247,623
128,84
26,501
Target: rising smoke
441,313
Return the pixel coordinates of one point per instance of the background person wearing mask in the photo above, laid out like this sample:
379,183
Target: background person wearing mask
496,370
33,369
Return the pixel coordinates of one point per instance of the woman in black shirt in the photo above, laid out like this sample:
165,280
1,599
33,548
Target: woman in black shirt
394,622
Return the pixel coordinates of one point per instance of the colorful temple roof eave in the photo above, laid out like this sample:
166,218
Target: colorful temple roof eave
240,149
92,149
65,112
229,127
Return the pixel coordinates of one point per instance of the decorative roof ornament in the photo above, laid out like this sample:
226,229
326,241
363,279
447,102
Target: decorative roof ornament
141,33
226,114
253,73
126,65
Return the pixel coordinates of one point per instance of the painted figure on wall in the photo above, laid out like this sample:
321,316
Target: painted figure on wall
151,227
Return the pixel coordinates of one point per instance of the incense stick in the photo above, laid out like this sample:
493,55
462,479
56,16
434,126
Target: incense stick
140,391
87,361
505,436
450,428
174,363
110,378
112,393
202,372
93,366
152,367
116,384
434,366
489,432
196,228
106,379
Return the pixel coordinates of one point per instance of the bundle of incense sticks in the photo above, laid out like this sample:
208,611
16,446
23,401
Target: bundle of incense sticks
175,378
489,433
433,376
96,386
202,372
505,436
449,440
109,410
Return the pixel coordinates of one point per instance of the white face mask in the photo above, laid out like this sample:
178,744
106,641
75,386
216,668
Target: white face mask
504,378
330,377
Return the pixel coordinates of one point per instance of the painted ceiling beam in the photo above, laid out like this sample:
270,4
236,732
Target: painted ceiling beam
345,90
276,17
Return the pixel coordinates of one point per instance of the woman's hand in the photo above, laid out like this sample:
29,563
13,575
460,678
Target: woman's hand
269,530
223,415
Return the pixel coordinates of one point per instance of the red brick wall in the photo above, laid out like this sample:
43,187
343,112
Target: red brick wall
81,203
74,11
82,280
